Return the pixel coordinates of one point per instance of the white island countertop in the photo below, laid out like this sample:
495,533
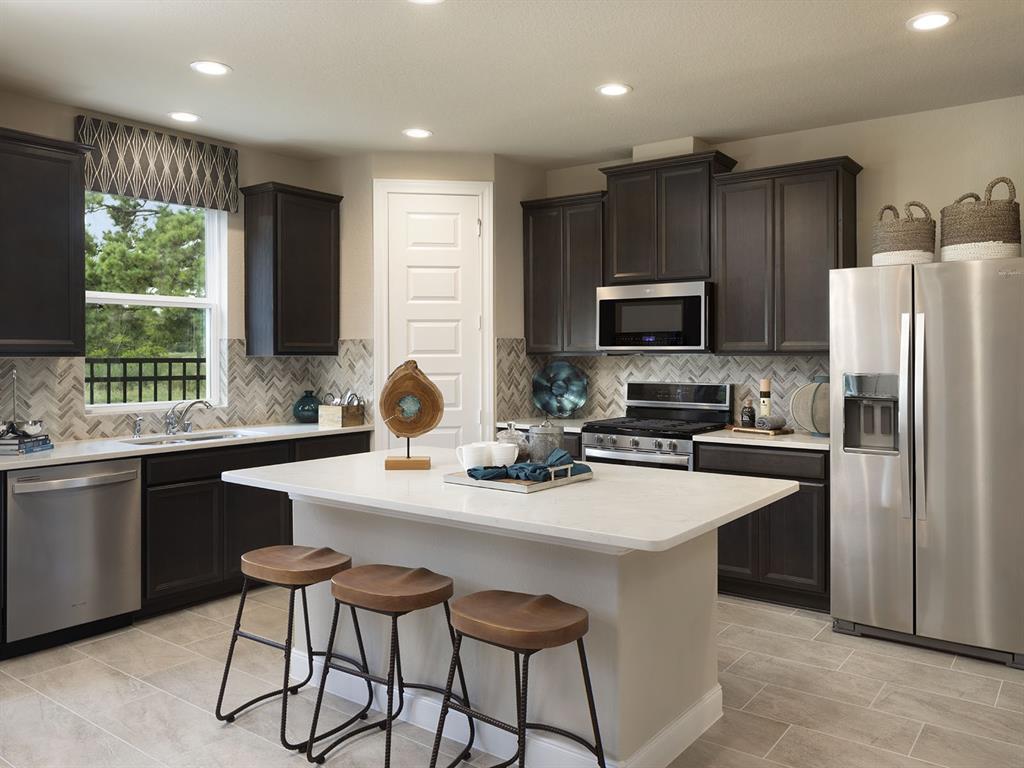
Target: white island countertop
619,510
76,451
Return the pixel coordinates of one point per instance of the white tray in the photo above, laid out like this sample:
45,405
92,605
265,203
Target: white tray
516,486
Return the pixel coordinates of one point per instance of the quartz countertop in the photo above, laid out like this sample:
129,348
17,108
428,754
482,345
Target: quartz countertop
76,451
619,510
799,440
572,426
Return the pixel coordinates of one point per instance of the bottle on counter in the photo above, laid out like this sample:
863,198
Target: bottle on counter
748,416
766,397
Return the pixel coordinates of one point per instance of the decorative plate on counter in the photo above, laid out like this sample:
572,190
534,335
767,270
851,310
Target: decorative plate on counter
560,389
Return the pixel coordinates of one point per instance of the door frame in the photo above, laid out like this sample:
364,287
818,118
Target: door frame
484,190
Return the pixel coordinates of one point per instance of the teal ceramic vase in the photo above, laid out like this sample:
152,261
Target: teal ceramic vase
306,408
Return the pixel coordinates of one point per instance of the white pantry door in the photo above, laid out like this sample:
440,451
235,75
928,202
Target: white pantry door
435,299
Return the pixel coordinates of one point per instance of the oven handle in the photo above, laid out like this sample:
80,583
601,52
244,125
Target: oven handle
646,458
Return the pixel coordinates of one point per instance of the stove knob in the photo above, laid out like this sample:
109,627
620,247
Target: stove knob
634,442
657,445
672,445
611,441
599,439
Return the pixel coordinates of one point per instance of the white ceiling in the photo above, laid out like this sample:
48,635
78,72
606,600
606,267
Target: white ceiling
515,77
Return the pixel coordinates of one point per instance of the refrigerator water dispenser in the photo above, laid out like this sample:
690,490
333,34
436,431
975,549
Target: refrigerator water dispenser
870,409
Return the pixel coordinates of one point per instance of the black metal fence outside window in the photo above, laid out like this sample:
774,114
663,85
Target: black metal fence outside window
143,379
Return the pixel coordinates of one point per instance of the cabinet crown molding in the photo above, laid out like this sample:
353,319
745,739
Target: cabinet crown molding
720,163
842,163
276,186
582,197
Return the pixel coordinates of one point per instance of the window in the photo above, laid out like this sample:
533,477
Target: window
152,301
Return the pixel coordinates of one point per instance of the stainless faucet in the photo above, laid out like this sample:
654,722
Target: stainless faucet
137,428
173,422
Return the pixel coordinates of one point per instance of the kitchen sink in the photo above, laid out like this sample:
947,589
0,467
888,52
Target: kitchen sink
189,437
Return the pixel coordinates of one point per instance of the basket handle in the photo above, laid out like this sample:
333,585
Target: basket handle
917,204
969,196
895,212
995,182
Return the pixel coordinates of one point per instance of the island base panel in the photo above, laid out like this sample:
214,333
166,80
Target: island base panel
650,646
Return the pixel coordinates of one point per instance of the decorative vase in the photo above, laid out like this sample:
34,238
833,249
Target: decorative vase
306,407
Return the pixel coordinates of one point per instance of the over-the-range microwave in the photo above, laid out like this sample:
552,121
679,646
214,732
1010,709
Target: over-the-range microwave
655,317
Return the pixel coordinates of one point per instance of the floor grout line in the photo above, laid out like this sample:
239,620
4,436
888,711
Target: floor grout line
773,746
872,746
914,744
740,657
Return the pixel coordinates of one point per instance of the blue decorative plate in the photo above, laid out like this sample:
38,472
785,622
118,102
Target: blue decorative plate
560,389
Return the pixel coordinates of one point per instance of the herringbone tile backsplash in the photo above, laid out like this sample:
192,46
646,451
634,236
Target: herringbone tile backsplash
608,374
259,390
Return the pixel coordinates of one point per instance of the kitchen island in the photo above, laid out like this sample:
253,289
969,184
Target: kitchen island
636,547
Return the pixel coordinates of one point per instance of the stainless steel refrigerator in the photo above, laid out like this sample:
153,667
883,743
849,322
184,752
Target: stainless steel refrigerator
927,458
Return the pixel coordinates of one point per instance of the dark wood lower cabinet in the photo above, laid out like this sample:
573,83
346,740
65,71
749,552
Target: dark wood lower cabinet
196,527
778,553
184,534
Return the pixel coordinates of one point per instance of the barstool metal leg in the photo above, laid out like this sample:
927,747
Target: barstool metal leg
231,652
447,700
285,688
390,714
598,747
462,684
323,684
521,715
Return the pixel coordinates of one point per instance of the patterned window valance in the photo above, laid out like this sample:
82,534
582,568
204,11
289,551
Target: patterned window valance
139,162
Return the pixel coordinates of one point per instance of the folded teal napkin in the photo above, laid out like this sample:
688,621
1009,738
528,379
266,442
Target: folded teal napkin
530,471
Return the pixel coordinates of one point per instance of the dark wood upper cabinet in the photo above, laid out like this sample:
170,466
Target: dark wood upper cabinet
292,251
744,319
778,232
659,218
42,246
562,255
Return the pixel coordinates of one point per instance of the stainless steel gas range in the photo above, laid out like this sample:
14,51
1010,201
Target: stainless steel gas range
660,422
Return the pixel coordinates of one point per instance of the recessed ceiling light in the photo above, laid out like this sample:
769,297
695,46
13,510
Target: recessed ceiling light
210,67
614,89
426,2
418,133
931,20
183,117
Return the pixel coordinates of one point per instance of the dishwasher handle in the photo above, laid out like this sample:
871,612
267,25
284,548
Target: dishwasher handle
68,483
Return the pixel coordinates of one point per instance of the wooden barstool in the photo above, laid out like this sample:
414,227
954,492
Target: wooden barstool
523,624
393,591
293,568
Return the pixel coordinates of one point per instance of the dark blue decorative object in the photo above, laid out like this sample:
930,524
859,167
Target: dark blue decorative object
306,408
560,389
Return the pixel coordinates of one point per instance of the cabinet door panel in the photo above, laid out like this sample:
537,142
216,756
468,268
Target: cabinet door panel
684,249
183,534
793,540
737,548
542,236
307,261
253,518
805,250
42,252
632,223
333,445
743,252
584,228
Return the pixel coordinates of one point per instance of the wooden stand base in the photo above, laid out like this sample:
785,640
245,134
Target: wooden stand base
407,462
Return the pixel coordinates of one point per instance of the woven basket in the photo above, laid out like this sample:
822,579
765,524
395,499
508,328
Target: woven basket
903,241
974,229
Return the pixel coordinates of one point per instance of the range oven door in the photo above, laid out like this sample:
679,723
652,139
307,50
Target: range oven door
660,317
635,458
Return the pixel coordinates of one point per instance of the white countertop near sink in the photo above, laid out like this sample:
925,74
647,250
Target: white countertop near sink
798,440
572,426
76,451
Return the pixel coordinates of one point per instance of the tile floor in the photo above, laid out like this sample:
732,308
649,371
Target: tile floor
795,695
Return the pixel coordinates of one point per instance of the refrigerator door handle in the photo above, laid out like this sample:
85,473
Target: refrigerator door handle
920,499
903,433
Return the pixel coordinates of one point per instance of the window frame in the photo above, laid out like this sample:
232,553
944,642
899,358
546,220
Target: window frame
214,304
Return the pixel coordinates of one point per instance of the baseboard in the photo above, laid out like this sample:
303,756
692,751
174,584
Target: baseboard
544,751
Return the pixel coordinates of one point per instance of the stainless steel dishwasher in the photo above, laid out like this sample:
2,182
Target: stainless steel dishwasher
73,545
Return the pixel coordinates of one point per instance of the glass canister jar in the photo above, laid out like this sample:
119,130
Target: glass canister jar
512,435
544,438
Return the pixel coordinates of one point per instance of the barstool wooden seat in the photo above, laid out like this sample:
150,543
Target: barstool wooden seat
393,591
524,624
293,568
287,565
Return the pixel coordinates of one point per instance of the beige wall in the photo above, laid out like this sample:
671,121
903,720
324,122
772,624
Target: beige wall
513,182
931,156
47,118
